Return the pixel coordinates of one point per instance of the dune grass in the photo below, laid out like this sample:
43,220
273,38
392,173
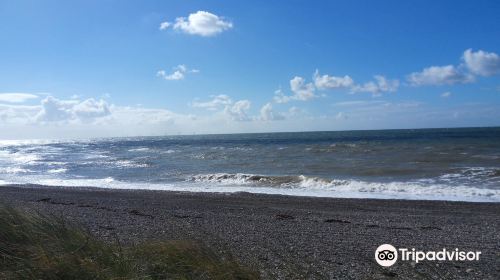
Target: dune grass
38,247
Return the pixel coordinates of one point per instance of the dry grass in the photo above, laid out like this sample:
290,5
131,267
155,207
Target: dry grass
37,247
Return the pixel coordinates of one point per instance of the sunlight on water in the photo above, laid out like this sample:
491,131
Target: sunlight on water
449,164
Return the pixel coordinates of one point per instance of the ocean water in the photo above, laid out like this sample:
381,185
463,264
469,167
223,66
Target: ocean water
437,164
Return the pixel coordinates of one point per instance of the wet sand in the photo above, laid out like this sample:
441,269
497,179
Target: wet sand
286,237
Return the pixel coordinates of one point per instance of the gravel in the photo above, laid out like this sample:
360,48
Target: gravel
286,237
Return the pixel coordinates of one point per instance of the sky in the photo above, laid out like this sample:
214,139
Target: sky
79,69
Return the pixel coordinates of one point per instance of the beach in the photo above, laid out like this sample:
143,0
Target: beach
285,237
249,140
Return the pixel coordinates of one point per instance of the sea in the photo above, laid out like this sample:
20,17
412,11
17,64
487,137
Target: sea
459,164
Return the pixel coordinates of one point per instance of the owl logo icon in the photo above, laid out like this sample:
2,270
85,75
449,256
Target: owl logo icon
386,255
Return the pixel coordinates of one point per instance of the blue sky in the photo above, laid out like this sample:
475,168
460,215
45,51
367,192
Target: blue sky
106,68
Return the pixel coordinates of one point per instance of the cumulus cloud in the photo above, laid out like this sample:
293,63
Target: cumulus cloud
57,118
380,85
482,63
55,110
280,97
216,103
305,91
16,97
474,64
179,73
439,75
267,113
164,25
74,112
201,23
331,82
176,75
301,90
91,109
239,110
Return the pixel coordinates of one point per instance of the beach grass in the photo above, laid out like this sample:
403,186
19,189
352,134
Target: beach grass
33,246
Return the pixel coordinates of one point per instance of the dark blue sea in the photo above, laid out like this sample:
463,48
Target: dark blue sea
443,164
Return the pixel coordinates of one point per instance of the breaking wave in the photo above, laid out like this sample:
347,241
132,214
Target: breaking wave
284,185
458,164
316,186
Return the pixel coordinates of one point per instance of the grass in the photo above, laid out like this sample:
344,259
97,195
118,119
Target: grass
38,247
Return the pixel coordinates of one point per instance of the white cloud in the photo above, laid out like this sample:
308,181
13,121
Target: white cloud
55,110
201,23
474,64
16,97
176,75
280,97
179,73
305,91
90,118
439,75
380,85
216,103
482,63
54,117
331,82
236,111
301,90
267,113
91,109
385,85
446,94
17,114
164,25
239,110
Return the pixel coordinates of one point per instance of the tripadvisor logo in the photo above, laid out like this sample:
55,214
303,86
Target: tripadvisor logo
387,255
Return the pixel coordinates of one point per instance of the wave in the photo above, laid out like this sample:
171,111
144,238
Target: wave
19,157
275,181
317,186
282,185
471,176
295,185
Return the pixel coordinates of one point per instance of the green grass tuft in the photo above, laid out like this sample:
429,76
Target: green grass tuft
38,247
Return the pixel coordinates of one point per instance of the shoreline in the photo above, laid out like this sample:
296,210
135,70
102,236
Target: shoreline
272,192
284,236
